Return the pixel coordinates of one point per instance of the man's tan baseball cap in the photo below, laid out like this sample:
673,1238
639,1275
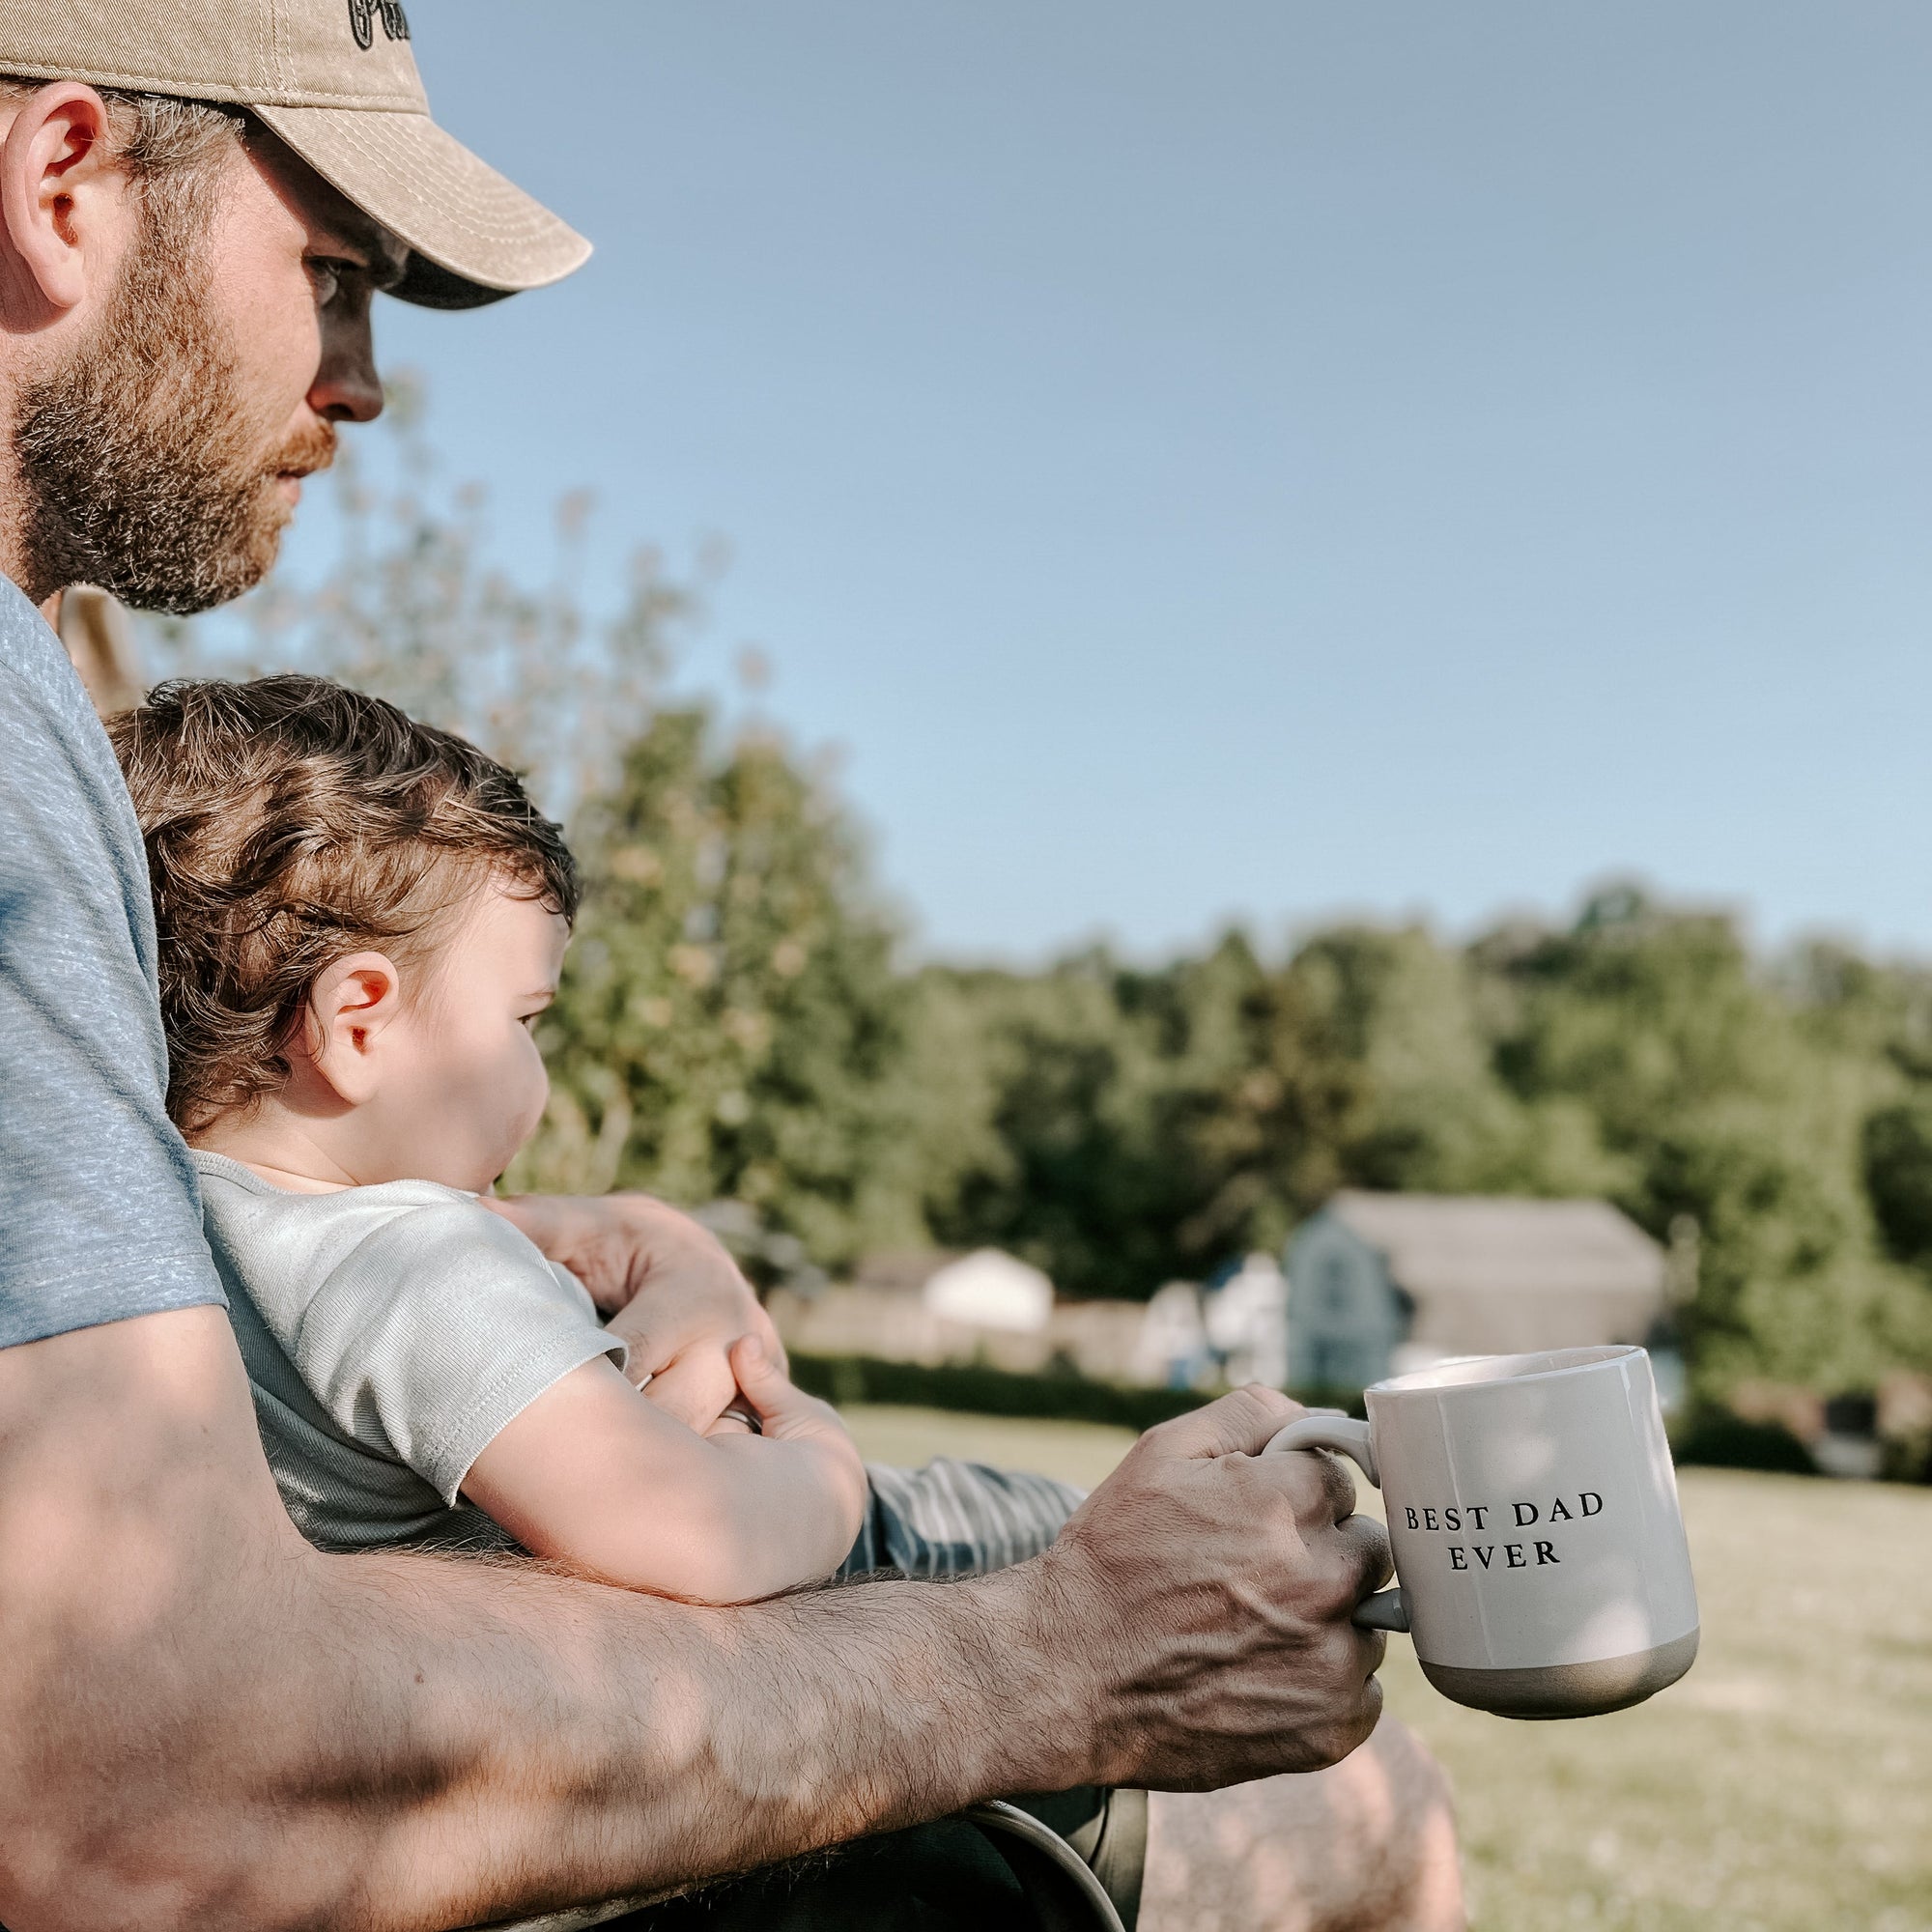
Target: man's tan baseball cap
336,79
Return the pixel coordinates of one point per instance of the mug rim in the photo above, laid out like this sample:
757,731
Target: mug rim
1551,1364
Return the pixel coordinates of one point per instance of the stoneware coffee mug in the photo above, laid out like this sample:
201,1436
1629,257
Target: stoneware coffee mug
1539,1550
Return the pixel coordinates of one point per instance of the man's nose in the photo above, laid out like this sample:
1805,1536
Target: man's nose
347,388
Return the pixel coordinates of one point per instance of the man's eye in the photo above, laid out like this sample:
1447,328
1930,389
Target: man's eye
327,277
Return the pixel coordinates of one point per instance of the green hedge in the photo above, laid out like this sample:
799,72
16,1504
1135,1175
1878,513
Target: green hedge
1712,1436
980,1389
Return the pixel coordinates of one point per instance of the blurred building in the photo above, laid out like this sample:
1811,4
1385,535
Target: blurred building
1383,1284
933,1307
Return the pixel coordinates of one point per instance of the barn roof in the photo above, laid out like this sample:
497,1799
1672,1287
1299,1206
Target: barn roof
1449,1244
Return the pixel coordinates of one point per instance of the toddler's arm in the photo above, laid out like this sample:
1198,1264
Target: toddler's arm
596,1477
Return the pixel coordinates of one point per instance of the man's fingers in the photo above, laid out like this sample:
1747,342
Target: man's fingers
1240,1424
1335,1480
1320,1488
1368,1545
1371,1647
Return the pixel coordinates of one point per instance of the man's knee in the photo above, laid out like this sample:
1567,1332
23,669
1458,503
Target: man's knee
1410,1789
1368,1845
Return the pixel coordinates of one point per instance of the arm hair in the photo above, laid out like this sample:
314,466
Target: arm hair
204,1722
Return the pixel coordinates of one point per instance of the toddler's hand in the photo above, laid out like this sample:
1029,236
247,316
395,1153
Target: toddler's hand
802,1426
785,1412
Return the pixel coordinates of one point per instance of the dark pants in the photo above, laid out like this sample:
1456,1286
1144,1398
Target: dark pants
947,1877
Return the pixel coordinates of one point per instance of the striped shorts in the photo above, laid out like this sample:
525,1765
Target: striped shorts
952,1518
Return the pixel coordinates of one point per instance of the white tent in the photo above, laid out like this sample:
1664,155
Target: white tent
991,1290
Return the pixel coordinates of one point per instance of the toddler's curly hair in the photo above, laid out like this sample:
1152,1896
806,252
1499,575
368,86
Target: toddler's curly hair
289,822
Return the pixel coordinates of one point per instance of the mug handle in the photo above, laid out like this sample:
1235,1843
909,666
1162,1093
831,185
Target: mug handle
1386,1609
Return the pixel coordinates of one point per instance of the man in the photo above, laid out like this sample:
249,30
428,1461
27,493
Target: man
203,1722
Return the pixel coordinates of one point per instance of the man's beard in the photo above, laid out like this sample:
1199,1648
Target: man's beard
138,470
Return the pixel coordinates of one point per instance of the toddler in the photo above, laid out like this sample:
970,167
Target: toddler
359,920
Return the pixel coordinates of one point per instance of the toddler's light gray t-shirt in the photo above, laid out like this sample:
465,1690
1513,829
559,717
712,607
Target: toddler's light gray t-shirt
389,1333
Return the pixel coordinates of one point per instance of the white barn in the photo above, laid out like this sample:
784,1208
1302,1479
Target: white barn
1381,1284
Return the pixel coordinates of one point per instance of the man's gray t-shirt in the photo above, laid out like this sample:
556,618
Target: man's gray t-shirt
390,1332
98,1217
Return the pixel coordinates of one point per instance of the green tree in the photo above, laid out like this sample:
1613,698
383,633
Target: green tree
729,1022
1411,1014
1705,1080
1897,1151
1132,1125
1064,1168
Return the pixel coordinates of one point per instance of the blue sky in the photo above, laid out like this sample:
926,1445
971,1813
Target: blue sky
1257,459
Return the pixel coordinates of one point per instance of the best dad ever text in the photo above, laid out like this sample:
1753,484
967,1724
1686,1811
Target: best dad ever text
1483,1555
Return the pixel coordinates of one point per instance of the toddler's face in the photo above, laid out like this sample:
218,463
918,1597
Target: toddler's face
464,1086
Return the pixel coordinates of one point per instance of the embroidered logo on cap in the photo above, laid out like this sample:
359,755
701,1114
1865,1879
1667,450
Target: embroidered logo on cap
364,13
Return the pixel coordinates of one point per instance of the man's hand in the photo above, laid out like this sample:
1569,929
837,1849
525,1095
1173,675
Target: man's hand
1207,1588
668,1286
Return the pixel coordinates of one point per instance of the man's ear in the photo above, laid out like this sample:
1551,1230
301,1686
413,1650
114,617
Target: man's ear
350,1009
62,200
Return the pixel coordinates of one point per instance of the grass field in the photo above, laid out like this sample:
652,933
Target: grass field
1785,1785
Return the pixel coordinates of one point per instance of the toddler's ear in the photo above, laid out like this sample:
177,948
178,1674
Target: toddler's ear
349,1009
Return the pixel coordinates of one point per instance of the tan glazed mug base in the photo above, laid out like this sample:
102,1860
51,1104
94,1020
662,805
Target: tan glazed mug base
1567,1690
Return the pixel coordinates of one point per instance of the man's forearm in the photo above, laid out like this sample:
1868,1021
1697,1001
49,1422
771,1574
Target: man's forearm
205,1723
546,1741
